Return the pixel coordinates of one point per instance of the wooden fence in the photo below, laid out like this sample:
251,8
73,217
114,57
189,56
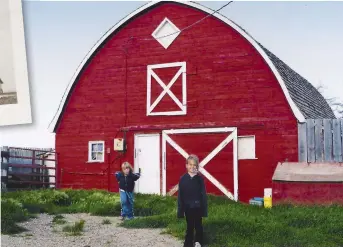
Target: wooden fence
321,140
26,168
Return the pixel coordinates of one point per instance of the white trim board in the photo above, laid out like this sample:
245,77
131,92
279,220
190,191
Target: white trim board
232,137
297,113
200,130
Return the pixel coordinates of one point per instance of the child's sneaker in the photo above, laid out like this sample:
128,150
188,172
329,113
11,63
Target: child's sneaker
197,244
122,218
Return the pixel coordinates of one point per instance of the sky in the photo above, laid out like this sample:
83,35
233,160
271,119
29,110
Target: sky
6,59
306,35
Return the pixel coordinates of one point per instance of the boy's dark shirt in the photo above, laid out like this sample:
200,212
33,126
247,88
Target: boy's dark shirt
126,183
192,194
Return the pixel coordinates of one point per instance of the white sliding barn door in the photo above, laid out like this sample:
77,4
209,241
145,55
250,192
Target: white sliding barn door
228,136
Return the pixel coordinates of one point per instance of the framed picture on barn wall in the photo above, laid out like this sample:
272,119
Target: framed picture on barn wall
15,106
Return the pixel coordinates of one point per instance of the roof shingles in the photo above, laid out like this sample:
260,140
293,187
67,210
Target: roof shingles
307,98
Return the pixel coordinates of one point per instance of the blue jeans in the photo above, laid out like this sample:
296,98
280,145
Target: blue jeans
126,200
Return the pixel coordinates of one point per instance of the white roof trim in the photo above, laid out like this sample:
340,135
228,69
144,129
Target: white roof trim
293,106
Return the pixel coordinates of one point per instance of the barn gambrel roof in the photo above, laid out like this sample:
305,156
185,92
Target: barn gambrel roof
309,101
304,100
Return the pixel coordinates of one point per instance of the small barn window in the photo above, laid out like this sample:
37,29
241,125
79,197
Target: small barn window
96,151
246,147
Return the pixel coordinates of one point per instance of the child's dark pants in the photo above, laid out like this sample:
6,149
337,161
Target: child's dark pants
194,221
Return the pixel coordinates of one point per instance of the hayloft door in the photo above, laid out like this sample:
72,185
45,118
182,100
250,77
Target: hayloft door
147,161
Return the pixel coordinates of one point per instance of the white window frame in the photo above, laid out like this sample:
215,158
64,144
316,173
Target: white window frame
247,136
90,143
166,89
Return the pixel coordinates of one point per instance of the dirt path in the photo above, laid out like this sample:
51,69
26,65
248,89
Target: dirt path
43,233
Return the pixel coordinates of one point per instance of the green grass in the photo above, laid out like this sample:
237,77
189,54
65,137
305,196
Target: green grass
228,224
59,220
75,229
21,205
235,224
106,222
12,211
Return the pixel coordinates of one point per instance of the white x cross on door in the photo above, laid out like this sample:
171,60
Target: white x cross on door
231,137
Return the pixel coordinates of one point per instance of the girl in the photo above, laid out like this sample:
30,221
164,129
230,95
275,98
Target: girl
126,180
192,202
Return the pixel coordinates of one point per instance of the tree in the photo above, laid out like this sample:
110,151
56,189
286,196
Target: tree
335,103
338,109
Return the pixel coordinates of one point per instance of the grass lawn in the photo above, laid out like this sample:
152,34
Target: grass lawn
229,223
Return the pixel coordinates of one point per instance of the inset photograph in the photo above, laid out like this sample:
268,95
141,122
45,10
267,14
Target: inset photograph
15,105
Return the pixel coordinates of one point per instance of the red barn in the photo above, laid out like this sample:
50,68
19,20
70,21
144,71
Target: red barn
158,87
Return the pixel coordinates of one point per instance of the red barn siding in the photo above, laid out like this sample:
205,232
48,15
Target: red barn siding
308,193
228,84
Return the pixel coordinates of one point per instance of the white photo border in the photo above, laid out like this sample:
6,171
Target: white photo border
19,113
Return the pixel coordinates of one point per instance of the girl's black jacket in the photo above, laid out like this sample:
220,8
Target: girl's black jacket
191,194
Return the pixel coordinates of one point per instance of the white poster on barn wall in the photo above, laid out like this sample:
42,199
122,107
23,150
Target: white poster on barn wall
15,106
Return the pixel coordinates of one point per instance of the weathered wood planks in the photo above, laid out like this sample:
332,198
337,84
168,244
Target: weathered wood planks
321,140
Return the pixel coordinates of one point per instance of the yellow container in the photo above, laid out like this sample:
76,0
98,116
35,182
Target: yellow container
267,202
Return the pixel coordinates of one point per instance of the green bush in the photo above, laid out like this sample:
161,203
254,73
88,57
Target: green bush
52,201
103,204
12,211
106,222
59,219
60,198
75,229
147,205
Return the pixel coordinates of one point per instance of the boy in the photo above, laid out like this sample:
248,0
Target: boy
126,180
192,202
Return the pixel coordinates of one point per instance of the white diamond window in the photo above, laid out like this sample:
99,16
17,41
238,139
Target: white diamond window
166,33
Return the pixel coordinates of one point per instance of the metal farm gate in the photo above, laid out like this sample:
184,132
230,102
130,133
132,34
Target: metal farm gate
321,140
27,168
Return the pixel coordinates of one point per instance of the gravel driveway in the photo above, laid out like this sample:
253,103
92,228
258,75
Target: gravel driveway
43,233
